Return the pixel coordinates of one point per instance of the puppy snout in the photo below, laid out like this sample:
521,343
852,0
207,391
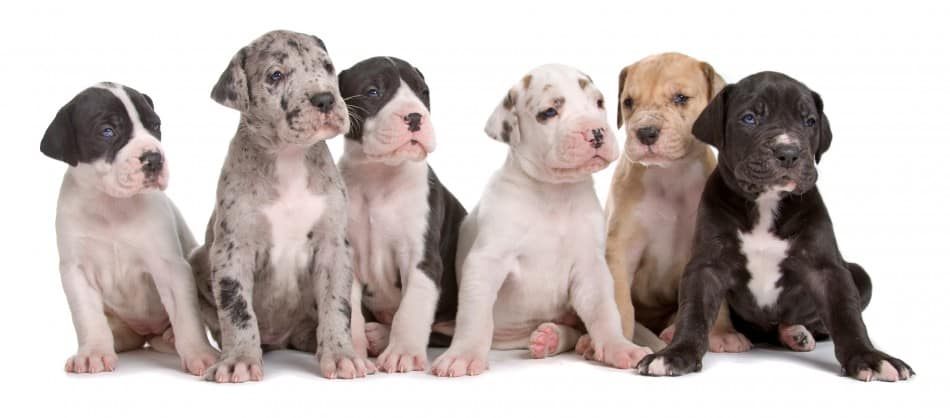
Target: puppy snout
787,155
152,162
413,120
648,135
323,101
597,138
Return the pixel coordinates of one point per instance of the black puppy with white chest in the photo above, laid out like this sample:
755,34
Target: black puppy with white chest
403,224
764,241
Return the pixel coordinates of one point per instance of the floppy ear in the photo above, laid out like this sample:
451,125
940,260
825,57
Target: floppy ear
623,79
714,81
231,89
59,142
420,73
148,100
503,123
824,129
710,126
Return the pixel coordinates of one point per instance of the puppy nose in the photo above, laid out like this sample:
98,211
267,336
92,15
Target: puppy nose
647,135
413,119
323,101
152,162
598,138
787,155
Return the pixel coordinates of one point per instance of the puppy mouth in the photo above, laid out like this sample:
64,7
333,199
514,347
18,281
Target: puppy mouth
592,165
411,150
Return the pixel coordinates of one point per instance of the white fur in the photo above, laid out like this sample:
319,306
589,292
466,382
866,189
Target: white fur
764,251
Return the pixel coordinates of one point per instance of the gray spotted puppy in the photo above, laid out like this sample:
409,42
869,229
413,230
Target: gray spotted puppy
275,271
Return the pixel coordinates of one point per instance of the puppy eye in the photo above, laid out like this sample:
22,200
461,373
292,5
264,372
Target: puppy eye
548,113
372,92
107,132
156,127
276,76
425,92
628,103
680,99
748,119
810,121
600,103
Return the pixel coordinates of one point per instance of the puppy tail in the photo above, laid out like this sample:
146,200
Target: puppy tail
863,282
643,337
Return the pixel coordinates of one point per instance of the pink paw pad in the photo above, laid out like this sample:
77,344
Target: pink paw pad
544,341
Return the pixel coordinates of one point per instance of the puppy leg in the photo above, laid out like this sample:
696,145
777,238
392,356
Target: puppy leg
482,277
377,337
96,351
796,337
723,338
617,260
333,281
550,339
176,288
411,325
357,322
591,298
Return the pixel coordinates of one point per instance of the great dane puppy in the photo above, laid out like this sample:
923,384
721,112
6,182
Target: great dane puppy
275,268
403,223
122,243
531,254
764,241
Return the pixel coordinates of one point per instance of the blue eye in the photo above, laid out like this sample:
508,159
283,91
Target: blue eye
549,113
810,121
108,133
276,76
748,119
680,99
372,92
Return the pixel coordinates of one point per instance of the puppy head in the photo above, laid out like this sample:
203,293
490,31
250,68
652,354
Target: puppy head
556,125
388,101
770,130
111,134
284,84
659,99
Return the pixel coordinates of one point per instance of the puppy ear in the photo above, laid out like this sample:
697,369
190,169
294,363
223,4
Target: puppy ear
503,123
420,73
824,129
623,79
59,142
710,126
148,100
231,89
714,82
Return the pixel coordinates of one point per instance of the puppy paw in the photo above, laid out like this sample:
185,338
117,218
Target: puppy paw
377,338
584,347
345,365
544,340
235,369
94,361
401,360
619,353
669,362
728,342
197,362
875,365
454,363
796,337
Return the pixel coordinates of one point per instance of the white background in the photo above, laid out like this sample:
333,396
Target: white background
881,68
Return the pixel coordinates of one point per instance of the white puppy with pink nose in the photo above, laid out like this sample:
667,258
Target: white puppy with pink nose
531,254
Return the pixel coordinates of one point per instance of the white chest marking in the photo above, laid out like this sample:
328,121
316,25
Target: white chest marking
764,252
293,214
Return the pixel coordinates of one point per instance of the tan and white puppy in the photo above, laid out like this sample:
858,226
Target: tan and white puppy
531,254
122,243
651,208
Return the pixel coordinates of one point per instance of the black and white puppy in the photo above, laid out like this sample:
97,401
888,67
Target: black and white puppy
403,223
764,241
122,243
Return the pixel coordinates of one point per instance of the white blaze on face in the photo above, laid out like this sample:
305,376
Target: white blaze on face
386,136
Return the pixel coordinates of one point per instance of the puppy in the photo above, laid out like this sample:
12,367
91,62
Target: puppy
403,223
275,271
651,208
764,240
122,243
531,254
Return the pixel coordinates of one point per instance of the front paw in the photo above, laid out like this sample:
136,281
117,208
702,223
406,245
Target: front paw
402,360
93,361
197,361
344,364
728,342
670,362
875,365
618,353
235,369
454,363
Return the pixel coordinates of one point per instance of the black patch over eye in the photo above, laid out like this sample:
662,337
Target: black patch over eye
425,92
547,114
107,132
373,92
748,119
680,99
810,121
628,103
276,76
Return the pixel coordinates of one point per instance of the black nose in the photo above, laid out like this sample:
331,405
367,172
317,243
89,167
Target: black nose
648,135
323,101
598,138
413,119
152,162
787,155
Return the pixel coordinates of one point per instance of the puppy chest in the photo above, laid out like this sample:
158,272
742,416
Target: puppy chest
764,254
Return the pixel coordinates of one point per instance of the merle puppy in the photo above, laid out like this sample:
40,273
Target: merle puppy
764,241
403,223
